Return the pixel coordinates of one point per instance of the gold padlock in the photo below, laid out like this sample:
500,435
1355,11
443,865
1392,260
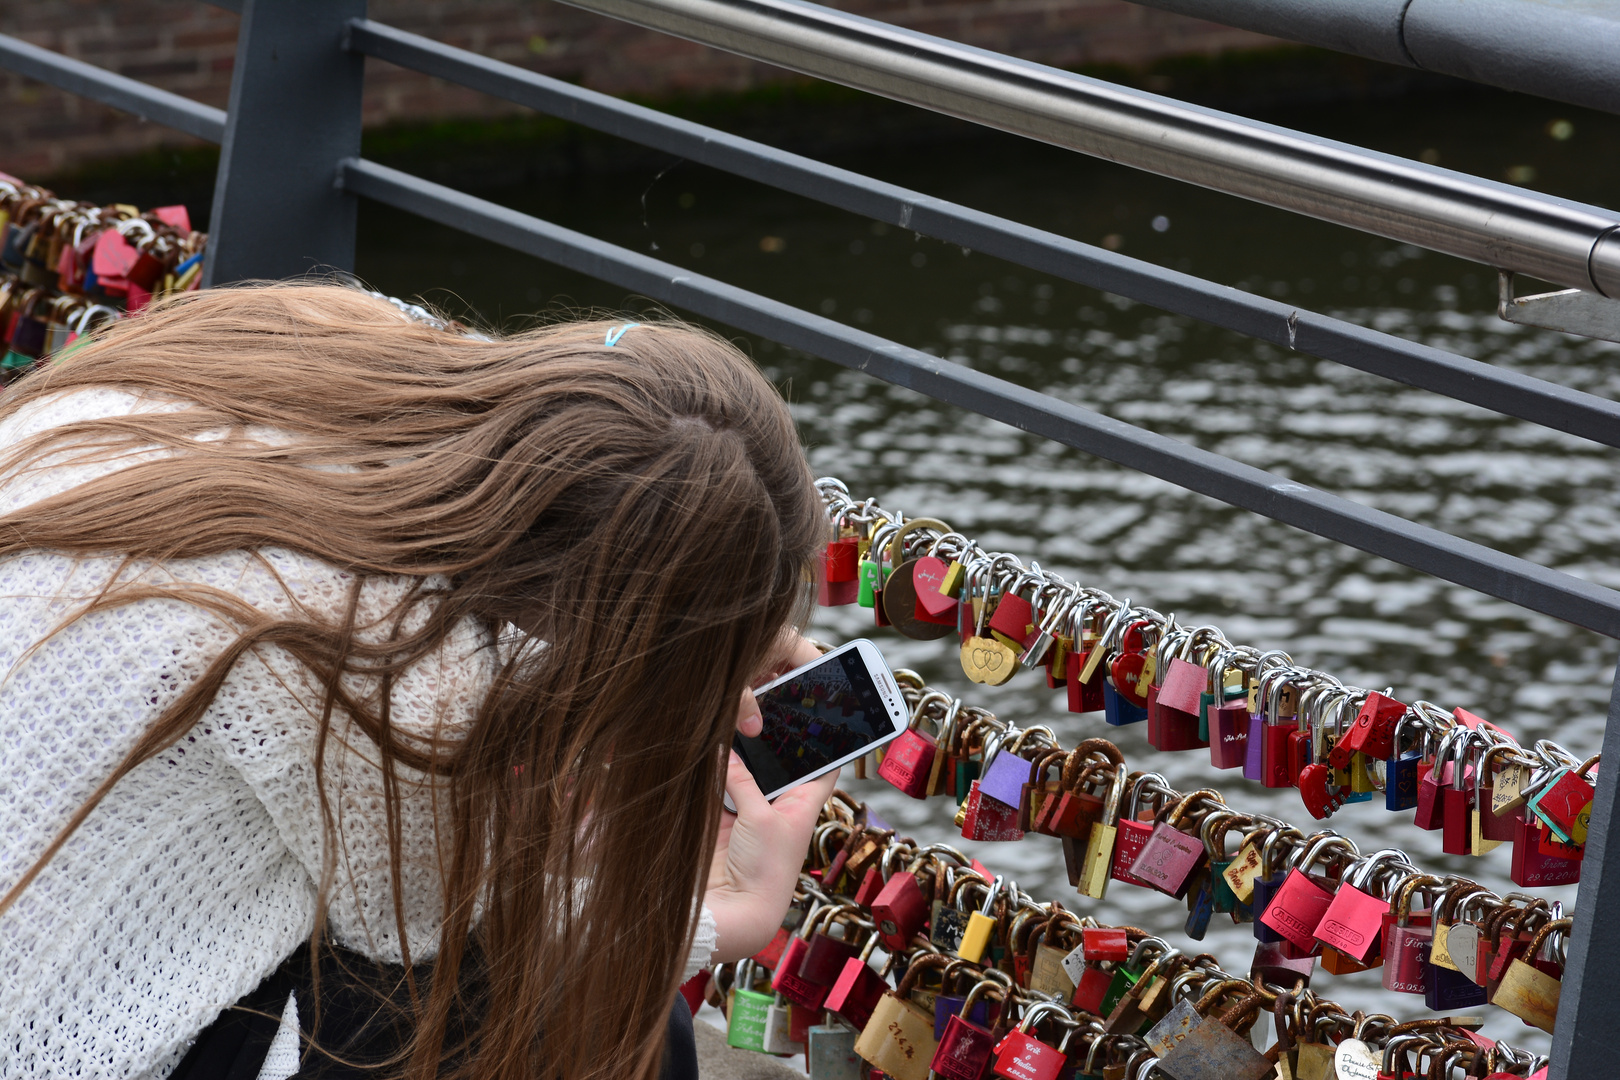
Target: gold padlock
1528,992
899,1038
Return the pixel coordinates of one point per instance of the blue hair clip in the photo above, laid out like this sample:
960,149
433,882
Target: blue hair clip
616,332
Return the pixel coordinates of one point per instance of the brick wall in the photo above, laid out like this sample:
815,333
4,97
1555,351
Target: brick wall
188,47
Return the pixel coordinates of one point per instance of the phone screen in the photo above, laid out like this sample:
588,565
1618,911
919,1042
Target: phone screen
820,715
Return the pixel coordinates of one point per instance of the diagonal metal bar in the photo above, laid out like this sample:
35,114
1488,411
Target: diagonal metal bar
110,88
1505,227
1538,588
1385,355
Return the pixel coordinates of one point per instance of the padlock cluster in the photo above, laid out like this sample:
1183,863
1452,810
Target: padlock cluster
68,267
911,961
1281,724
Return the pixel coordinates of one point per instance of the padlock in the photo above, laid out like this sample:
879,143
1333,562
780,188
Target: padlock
1096,869
980,926
1548,844
1457,820
1353,922
1373,732
1200,904
900,910
1167,860
948,921
1013,614
1254,764
1264,883
928,578
1430,801
1275,965
1179,698
1037,789
1047,973
1021,1056
1532,868
1281,707
1447,986
899,1038
830,1053
1136,826
1564,802
1129,1002
1528,992
785,978
1005,772
779,1029
1090,987
1118,710
899,595
1296,910
1491,828
858,987
747,1010
1225,719
965,1047
908,759
1213,832
1406,951
985,818
1085,672
1212,1050
1078,809
1462,940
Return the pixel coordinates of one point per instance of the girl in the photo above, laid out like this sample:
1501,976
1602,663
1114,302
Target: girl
345,651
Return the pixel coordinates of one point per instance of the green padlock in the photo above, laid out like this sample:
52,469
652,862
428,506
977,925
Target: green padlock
747,1010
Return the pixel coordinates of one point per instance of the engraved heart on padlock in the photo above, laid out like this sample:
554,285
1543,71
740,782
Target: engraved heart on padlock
1126,669
986,660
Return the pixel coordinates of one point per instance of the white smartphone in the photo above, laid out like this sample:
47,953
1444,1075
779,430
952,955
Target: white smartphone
821,716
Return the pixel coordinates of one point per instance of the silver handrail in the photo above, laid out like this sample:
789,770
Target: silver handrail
1557,240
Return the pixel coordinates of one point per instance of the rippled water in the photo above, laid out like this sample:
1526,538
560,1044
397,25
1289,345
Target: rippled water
1547,497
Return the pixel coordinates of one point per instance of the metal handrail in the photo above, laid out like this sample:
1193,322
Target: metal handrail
110,88
1408,543
1285,325
1557,240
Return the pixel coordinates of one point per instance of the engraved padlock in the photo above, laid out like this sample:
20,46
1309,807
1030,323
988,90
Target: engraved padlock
965,1047
1021,1056
1169,857
1353,922
899,1038
1406,951
1301,900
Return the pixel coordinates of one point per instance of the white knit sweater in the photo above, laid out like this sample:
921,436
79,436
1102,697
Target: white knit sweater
197,875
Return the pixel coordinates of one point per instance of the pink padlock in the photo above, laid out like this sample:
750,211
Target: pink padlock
1354,921
1300,902
1169,858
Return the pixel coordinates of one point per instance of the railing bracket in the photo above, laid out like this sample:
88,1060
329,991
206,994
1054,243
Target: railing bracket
1572,311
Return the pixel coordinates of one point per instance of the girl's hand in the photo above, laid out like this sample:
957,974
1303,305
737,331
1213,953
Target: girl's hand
760,849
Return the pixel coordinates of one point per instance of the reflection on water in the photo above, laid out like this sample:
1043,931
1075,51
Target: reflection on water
1547,497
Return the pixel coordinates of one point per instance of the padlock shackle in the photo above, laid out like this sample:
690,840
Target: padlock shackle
917,968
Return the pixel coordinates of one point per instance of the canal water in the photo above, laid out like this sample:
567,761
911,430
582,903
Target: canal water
1547,497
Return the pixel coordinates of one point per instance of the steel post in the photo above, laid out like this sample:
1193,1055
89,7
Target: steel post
294,114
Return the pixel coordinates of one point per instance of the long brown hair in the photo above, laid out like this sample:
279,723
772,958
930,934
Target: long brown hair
644,510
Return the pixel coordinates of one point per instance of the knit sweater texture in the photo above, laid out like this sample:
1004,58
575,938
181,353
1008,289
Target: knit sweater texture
198,874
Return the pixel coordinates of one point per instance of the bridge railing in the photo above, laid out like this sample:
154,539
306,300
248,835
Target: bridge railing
291,172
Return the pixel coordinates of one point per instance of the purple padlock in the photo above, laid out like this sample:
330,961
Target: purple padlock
1254,753
1004,778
